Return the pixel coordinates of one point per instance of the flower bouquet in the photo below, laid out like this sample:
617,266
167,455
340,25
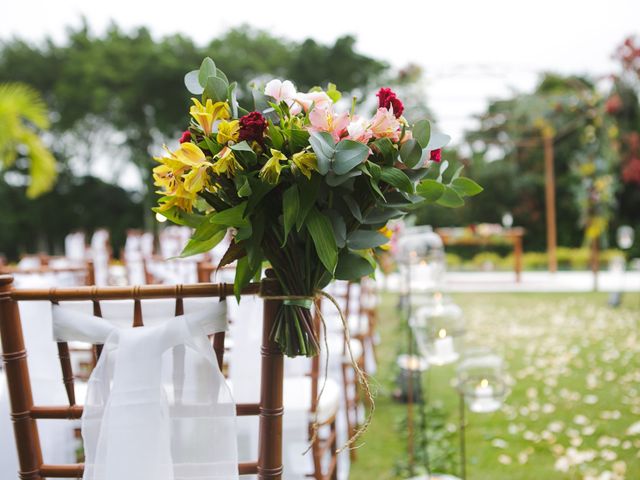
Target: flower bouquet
306,186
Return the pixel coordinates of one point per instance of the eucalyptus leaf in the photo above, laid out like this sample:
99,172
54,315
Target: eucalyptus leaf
353,207
260,102
422,132
216,89
443,168
364,239
334,180
324,147
207,69
438,140
348,155
192,84
352,266
339,227
382,215
410,153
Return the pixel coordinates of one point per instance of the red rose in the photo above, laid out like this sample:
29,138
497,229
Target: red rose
436,155
186,136
388,99
252,127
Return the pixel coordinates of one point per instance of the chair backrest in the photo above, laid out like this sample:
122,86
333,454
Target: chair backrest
24,413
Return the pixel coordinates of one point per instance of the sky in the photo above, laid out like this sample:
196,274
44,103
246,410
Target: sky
471,50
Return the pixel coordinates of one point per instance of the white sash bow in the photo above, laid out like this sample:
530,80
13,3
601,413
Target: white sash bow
144,420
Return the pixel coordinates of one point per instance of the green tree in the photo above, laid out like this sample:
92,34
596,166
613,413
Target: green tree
22,113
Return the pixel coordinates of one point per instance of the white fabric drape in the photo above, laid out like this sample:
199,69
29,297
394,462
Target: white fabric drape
157,404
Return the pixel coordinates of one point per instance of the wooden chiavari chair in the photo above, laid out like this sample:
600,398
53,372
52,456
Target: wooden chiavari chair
24,413
324,444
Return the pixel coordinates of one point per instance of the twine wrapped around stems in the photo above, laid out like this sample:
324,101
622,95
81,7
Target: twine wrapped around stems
307,302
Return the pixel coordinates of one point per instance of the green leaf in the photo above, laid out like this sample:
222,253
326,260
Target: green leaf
410,153
384,147
244,233
231,217
216,89
244,274
466,187
374,170
277,139
245,152
324,147
244,186
457,173
308,193
353,207
430,190
397,178
363,239
339,227
349,154
382,215
352,266
194,247
321,232
290,208
450,198
298,139
334,180
422,132
333,93
443,168
207,69
260,101
376,189
192,83
180,217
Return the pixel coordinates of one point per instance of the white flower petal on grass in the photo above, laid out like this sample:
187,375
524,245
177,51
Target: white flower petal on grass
504,459
499,443
634,429
580,420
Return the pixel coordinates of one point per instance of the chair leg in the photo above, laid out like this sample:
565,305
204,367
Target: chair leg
334,448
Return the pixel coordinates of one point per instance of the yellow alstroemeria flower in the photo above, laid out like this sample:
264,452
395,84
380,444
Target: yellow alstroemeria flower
387,232
208,113
306,162
270,172
172,166
226,163
228,131
181,199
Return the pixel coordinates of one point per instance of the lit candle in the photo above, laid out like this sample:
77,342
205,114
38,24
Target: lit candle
484,400
443,348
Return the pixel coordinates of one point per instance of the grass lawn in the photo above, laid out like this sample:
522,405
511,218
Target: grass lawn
575,370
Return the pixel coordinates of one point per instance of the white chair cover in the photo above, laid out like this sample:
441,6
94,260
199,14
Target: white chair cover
144,420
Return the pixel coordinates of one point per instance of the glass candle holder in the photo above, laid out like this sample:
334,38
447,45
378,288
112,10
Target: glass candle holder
438,329
421,259
481,380
624,237
409,379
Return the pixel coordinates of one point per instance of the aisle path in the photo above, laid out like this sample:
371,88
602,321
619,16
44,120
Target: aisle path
581,281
